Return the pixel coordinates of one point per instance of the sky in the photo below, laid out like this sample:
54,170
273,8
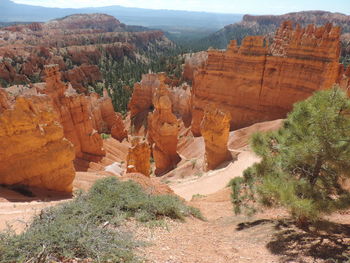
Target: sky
220,6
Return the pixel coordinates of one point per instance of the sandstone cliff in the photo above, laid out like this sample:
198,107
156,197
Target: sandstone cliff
215,129
33,150
139,156
163,130
257,83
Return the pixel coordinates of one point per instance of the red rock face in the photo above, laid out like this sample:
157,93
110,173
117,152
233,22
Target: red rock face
33,150
192,63
139,155
141,102
163,130
80,77
215,128
256,83
105,119
75,116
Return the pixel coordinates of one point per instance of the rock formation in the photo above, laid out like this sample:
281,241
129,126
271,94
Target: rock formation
163,131
141,102
75,116
33,150
77,43
182,104
215,129
139,155
257,83
105,119
193,62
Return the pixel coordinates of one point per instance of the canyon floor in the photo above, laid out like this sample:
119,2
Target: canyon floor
268,236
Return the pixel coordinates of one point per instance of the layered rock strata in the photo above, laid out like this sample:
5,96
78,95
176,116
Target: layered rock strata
139,156
163,130
256,82
215,129
33,150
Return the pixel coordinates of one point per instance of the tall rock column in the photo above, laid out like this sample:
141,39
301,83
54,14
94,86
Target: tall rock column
215,128
139,155
163,132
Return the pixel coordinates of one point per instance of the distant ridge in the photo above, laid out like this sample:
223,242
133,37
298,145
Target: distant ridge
133,16
267,24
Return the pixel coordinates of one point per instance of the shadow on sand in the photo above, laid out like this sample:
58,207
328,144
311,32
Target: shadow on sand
20,193
323,241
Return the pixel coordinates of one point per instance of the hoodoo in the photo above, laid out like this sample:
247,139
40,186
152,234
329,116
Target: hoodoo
139,155
163,131
215,128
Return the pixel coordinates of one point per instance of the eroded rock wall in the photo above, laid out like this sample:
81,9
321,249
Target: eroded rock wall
33,150
255,82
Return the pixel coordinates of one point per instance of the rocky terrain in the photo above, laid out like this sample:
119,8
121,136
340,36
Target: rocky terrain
76,43
260,82
185,139
268,24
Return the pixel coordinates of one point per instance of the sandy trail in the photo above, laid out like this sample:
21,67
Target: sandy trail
214,181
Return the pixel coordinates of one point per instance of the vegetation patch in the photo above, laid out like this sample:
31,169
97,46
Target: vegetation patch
90,225
304,164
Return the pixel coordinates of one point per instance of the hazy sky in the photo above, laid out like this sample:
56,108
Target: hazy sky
222,6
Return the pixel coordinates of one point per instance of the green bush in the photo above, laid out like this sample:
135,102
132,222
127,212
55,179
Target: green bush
304,162
88,226
105,136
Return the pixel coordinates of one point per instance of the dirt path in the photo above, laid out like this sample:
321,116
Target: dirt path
214,181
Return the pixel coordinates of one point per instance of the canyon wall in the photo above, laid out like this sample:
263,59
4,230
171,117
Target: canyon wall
256,82
33,150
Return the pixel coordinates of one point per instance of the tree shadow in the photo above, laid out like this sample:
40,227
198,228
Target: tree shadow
323,241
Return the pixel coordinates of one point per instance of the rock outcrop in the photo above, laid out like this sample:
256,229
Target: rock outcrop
33,150
257,83
215,129
139,156
163,130
193,62
75,116
105,119
181,99
141,102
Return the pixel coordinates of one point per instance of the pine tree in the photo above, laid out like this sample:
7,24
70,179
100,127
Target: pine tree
304,163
